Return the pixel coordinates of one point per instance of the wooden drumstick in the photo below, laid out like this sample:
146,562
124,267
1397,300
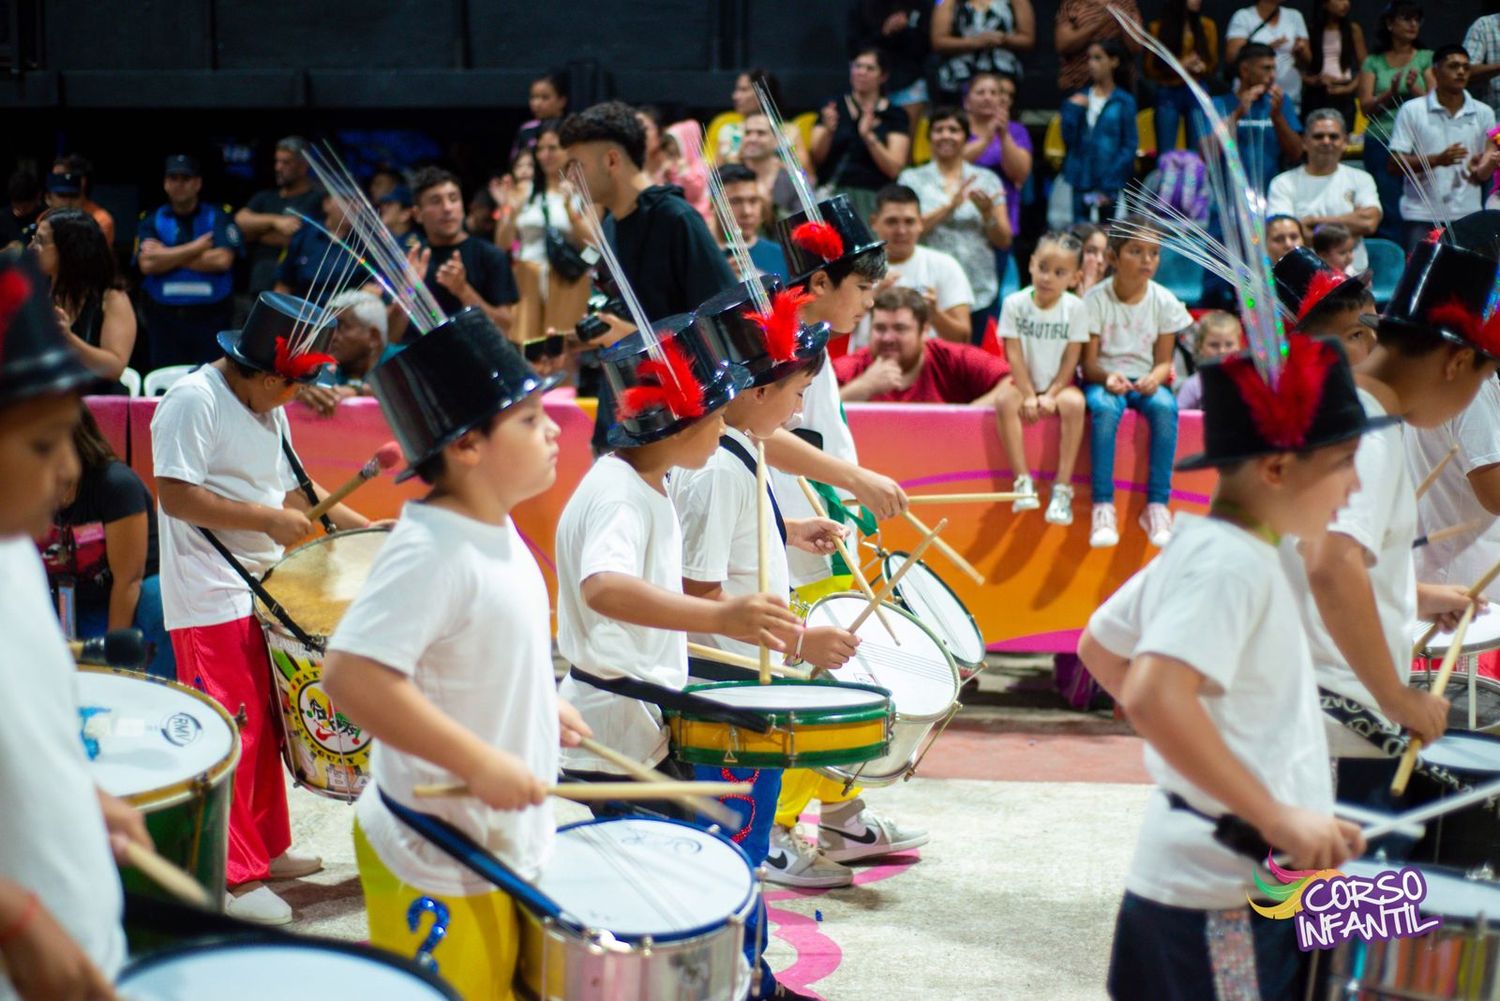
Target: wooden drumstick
860,580
1446,533
387,456
944,548
738,660
710,808
763,569
593,792
1445,670
167,876
890,585
1473,592
963,498
1437,471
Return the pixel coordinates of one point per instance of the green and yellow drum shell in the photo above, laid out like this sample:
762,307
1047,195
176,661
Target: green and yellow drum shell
813,724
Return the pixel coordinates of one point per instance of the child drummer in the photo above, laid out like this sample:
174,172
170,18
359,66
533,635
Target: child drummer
232,495
422,676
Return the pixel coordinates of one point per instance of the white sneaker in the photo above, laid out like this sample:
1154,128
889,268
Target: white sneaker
1023,485
259,905
792,861
864,834
1060,507
1156,520
1104,533
290,865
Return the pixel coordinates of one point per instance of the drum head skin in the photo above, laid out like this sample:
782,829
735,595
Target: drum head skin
1469,753
919,674
1450,894
1483,634
317,583
933,602
807,699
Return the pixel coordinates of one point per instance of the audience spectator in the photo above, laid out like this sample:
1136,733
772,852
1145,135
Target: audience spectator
1216,334
510,191
185,252
1334,243
936,276
1482,41
1081,22
903,365
1194,40
997,140
979,36
685,166
897,28
1284,233
547,99
1095,256
744,102
742,191
395,212
87,296
1263,116
482,216
861,141
384,180
79,166
1098,127
1338,51
314,263
65,191
1398,69
359,344
1280,28
548,300
264,223
1448,129
23,191
964,212
758,152
1326,190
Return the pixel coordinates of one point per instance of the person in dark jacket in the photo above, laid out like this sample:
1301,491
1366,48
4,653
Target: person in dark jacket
1098,127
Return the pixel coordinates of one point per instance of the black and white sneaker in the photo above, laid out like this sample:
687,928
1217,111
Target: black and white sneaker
793,861
864,834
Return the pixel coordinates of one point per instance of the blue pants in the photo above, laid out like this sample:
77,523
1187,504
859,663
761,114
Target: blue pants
161,662
1160,411
1175,105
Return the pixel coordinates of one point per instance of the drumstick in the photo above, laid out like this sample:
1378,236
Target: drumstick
944,548
890,585
1473,592
1445,670
1437,471
1446,533
166,875
738,660
962,498
710,808
762,569
860,580
592,792
387,456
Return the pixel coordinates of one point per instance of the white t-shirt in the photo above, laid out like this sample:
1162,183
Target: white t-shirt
1217,600
1246,23
1127,333
461,609
52,835
1297,193
1382,517
1463,558
926,268
1044,333
717,505
203,435
616,523
1423,124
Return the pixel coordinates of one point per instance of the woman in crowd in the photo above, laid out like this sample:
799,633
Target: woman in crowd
744,102
861,141
548,99
1396,71
1095,256
510,191
96,313
899,29
997,140
1284,29
1338,53
976,36
1194,40
1098,127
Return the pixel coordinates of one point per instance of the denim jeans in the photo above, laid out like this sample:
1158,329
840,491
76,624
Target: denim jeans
1160,411
1175,105
94,621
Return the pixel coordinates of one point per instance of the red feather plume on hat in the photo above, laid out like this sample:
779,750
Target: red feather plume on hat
1284,416
781,323
819,238
1323,282
301,366
1483,334
673,386
15,288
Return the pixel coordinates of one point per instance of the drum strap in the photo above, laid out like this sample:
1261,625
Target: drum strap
739,451
1230,831
272,605
304,482
668,698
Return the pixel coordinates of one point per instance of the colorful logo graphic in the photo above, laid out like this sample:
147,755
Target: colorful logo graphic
1331,907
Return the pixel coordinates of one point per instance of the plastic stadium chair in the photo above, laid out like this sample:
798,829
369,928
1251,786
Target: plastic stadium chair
131,380
711,139
1387,260
1145,129
1181,277
1011,280
158,382
1053,147
921,142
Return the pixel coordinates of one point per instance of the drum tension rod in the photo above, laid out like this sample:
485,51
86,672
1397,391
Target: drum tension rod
921,757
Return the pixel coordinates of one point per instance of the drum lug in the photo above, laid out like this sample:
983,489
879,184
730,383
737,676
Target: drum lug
241,717
932,740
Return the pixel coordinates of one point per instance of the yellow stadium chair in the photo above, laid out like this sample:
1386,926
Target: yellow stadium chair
804,123
1145,127
921,143
1053,147
711,141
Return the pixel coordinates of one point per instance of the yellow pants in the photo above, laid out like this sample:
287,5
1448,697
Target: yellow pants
477,953
800,786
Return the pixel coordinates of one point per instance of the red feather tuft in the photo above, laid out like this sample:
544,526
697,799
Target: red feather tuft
1435,235
1483,334
301,366
1284,417
1323,282
781,324
819,238
15,288
672,385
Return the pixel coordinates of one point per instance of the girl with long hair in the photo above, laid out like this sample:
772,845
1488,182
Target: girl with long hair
94,311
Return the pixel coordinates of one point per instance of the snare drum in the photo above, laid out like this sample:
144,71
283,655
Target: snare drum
813,723
315,583
919,674
666,905
923,593
1468,837
170,752
1482,635
252,969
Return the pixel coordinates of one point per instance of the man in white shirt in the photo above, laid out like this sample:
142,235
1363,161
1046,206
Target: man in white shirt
1442,137
1282,28
936,275
1325,190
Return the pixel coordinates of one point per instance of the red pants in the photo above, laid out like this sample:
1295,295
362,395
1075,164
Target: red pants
228,662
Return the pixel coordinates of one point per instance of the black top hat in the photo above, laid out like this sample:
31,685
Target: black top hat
769,345
809,246
283,335
35,358
455,377
1478,232
1446,291
1304,281
653,401
1315,404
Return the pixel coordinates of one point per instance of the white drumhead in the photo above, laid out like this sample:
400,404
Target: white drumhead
919,674
150,735
1483,634
1467,752
636,876
938,609
297,973
791,697
1448,895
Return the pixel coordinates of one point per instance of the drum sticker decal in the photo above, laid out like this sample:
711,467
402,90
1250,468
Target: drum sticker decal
180,729
435,934
333,735
1331,908
88,730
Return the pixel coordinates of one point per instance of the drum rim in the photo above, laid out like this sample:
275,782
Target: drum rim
167,796
782,714
983,646
269,621
958,681
1461,736
1431,651
1427,869
223,943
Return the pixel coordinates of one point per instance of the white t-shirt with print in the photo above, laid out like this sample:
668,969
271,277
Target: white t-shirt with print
203,435
1462,558
717,506
1297,193
1217,600
1127,332
1247,23
1044,333
616,523
1382,517
460,608
52,835
926,268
